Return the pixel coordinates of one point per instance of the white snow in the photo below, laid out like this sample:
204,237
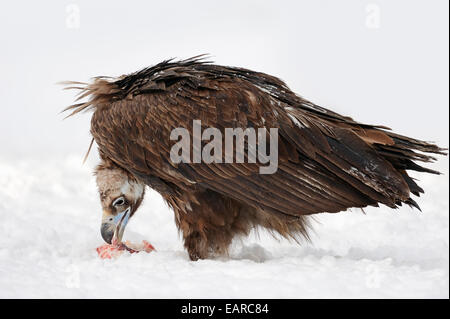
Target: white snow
50,227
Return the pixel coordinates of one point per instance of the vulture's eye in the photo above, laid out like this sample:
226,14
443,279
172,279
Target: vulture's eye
119,202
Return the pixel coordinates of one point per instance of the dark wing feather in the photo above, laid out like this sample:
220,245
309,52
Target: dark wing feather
327,162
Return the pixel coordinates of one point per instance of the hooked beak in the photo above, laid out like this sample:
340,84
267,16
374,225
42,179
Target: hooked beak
113,227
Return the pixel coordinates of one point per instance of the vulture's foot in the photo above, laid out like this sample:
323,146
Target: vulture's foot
196,245
202,245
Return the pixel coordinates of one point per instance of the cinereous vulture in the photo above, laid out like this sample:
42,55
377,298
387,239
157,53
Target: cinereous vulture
326,162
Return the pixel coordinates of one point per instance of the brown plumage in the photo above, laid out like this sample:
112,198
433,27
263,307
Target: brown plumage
327,162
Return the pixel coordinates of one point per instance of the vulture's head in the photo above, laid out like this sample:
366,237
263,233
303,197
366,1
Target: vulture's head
120,195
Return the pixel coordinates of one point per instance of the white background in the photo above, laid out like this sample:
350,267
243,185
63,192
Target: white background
391,71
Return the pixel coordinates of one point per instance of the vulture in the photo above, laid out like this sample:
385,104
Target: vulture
324,162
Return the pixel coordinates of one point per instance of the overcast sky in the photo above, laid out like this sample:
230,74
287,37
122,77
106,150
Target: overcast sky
381,62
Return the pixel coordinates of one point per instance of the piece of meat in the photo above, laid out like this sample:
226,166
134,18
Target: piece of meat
109,251
145,246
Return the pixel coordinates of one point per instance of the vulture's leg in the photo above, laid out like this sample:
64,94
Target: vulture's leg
204,236
208,226
196,244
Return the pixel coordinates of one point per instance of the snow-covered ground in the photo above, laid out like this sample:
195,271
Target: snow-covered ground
50,227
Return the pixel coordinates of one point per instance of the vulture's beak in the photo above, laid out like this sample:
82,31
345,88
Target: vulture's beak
113,227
